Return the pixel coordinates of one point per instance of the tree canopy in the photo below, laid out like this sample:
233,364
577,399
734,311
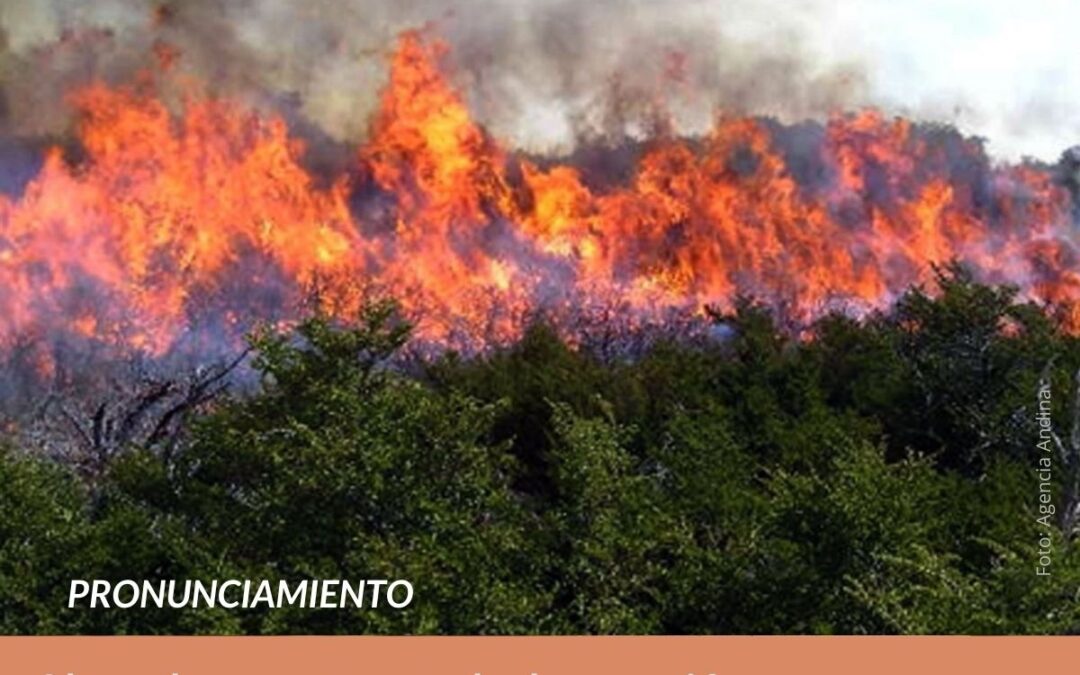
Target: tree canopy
874,476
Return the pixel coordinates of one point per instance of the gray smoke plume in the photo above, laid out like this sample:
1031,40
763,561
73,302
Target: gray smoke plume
537,72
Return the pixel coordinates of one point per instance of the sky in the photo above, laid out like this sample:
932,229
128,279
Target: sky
1004,69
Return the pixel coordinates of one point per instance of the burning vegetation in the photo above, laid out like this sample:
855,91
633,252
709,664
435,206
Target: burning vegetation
179,220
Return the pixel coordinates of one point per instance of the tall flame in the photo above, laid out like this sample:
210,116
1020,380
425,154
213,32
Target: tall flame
203,214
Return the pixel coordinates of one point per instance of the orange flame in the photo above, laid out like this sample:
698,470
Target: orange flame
173,217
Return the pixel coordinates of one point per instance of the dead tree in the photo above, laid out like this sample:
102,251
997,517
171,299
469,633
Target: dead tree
146,412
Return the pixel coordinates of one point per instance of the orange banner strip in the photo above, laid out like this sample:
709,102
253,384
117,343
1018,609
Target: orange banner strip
528,655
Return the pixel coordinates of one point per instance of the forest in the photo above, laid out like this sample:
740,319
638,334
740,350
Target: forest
875,475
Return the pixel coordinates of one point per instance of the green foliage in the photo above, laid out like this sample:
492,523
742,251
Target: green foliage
970,357
840,522
876,478
340,469
43,534
611,543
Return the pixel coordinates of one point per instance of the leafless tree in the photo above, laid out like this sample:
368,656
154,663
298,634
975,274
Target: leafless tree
144,411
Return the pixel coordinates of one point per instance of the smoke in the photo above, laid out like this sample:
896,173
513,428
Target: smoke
540,74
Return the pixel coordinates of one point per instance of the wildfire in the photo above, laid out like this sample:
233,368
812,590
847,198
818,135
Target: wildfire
179,218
